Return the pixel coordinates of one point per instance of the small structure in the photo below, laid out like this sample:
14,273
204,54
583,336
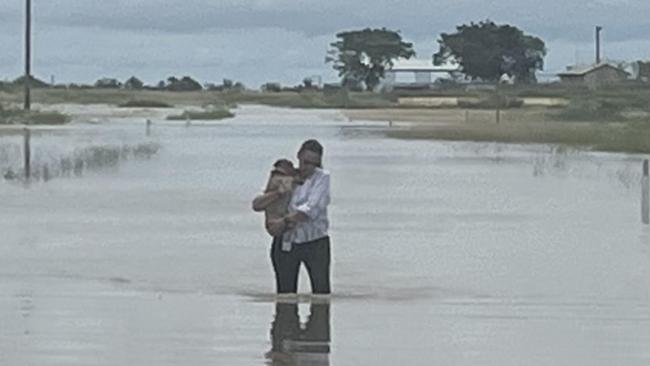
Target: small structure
507,79
417,74
643,71
593,76
108,83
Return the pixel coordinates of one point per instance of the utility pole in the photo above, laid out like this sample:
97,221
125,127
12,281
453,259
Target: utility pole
598,29
28,53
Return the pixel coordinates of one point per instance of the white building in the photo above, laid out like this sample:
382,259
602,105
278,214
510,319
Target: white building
417,73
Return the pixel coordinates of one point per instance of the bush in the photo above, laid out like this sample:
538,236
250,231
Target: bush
184,84
47,118
108,83
215,114
18,116
33,82
133,83
144,104
272,87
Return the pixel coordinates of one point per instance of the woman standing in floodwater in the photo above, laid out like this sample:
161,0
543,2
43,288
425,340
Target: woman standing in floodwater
305,227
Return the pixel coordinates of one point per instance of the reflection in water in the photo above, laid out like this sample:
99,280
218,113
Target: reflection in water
48,164
555,160
293,343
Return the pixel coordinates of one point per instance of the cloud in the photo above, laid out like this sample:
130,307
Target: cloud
253,57
550,19
283,40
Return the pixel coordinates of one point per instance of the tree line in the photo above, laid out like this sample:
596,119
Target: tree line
484,51
172,83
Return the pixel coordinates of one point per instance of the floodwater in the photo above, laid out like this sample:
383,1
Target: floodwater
443,253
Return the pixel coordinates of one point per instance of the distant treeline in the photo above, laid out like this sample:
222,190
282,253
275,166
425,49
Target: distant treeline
172,83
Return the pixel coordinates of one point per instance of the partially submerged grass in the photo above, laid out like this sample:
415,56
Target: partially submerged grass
139,103
305,99
111,96
313,99
520,125
76,162
632,95
202,115
19,116
615,137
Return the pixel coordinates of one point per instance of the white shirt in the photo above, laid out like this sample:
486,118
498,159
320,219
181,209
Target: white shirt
310,198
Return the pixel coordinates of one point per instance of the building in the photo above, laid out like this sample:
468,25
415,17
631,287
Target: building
417,74
642,71
593,76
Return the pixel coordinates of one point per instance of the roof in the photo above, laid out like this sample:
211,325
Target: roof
414,65
582,70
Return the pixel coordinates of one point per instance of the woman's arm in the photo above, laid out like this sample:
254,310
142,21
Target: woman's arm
296,217
319,198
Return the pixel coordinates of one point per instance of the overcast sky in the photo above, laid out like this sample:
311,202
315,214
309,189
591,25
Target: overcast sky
255,41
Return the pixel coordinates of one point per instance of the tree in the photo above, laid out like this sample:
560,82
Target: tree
486,51
227,85
33,82
108,83
272,87
133,83
361,57
190,84
184,84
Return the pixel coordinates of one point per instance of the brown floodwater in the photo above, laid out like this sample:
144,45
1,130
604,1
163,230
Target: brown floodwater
445,253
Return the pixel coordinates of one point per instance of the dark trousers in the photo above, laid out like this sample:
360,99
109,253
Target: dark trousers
316,257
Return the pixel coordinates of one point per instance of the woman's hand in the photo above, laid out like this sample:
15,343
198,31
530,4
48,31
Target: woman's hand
276,227
296,217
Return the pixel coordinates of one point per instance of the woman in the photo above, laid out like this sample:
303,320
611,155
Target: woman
305,236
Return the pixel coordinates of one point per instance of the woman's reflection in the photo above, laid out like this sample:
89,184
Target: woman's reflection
293,343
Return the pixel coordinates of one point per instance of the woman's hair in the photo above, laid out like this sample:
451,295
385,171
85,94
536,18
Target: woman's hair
313,146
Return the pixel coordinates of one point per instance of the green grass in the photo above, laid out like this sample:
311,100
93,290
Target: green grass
145,104
111,96
305,99
628,102
18,116
490,101
313,99
604,107
631,137
216,114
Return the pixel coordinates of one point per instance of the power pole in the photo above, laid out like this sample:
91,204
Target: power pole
598,29
28,53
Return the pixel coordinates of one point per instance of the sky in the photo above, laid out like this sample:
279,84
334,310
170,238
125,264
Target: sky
258,41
